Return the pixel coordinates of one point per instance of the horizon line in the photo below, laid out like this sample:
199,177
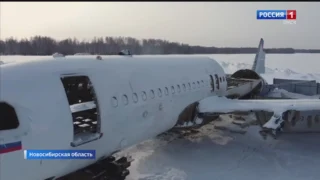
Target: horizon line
89,40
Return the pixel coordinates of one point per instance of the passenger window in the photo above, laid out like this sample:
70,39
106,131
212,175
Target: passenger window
309,121
152,95
184,87
159,92
166,91
172,90
84,107
125,100
202,83
135,97
114,102
220,79
178,88
198,84
144,96
217,81
193,85
8,116
316,119
212,83
189,86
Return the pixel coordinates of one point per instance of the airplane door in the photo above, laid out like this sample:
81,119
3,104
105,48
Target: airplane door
84,108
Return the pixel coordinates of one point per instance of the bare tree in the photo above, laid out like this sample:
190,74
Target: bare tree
42,45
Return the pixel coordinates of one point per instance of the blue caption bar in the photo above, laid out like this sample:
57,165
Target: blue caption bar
271,14
59,154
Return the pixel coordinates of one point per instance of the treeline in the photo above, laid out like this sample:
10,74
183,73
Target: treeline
42,45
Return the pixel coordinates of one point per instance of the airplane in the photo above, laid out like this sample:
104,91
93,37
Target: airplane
108,104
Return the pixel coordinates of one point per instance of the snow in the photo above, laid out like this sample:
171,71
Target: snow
222,104
82,54
220,155
82,106
281,93
224,156
278,107
57,55
216,154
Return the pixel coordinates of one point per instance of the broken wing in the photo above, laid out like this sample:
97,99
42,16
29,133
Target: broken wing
221,105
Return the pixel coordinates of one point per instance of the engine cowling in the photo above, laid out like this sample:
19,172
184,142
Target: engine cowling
259,90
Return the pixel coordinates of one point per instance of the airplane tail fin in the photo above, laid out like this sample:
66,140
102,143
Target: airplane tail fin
259,60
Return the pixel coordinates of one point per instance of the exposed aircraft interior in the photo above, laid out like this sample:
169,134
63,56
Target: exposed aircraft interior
83,104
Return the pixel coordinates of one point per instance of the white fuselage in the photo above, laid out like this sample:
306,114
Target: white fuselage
164,87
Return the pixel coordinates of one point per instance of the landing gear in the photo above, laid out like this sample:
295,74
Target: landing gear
106,169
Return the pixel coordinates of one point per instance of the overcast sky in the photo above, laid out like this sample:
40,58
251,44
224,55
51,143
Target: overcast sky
196,23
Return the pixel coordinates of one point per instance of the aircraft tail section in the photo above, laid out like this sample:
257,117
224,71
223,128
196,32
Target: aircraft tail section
259,60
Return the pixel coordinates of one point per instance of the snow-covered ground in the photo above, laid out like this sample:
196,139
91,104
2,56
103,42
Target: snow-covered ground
219,155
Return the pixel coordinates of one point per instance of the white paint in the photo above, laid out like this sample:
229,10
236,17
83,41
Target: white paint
127,112
199,121
289,153
273,123
50,126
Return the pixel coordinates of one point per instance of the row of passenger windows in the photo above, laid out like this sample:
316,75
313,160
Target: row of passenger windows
79,89
160,92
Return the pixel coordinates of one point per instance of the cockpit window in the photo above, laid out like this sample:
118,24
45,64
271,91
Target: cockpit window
8,117
217,81
212,83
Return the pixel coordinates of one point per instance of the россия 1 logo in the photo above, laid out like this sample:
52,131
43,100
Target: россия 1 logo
288,16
